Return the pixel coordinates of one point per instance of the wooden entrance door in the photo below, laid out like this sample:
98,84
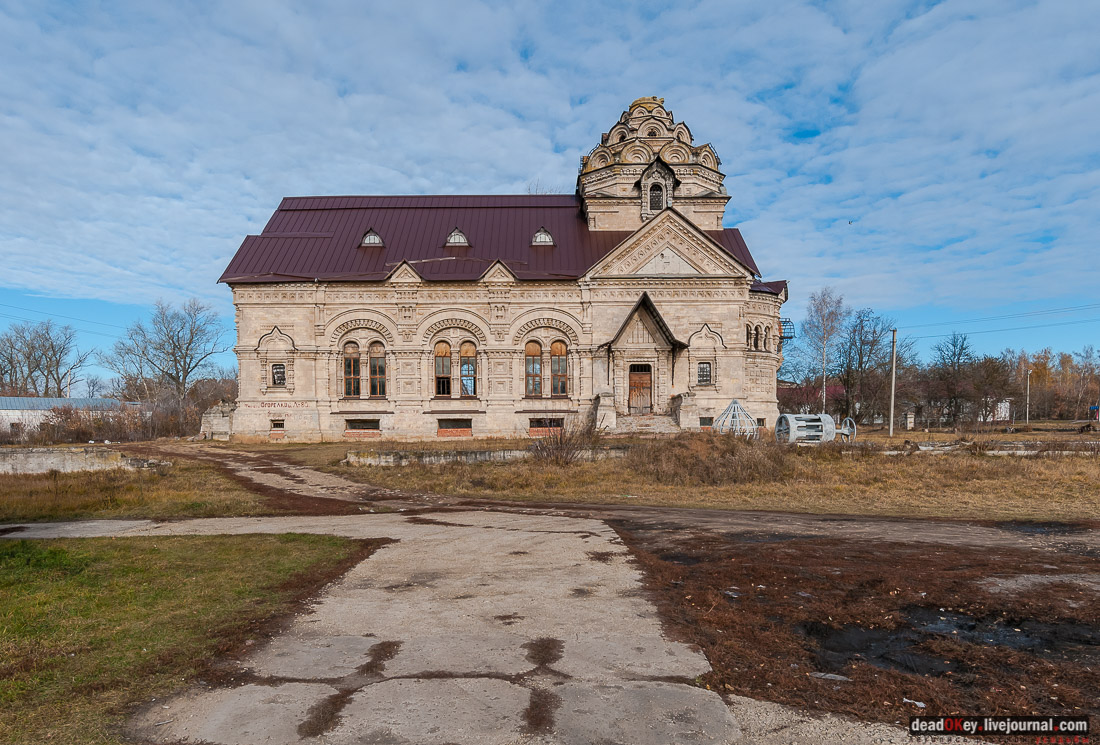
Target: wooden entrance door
641,389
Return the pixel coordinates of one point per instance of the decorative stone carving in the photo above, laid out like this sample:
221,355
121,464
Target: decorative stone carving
539,323
461,323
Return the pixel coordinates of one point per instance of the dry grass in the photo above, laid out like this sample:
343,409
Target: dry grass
711,471
1040,431
90,627
185,489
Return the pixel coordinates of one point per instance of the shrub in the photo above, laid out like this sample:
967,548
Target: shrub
710,459
566,444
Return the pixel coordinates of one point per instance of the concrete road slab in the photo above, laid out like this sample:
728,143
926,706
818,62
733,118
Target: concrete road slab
433,712
313,656
248,715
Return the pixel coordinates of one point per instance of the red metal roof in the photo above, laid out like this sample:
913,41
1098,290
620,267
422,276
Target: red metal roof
318,238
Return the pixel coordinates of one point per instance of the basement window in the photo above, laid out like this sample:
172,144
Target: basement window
706,421
760,422
363,424
456,427
545,423
278,424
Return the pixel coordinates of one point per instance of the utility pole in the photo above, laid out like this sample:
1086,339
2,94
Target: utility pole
893,376
1027,405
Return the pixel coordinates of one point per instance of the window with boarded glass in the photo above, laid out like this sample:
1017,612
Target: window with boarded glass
443,369
533,368
351,370
377,370
363,424
467,368
559,369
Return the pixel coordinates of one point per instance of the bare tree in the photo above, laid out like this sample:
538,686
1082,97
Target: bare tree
40,359
863,363
94,386
825,317
174,349
950,372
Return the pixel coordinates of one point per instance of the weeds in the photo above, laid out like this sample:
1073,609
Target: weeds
566,444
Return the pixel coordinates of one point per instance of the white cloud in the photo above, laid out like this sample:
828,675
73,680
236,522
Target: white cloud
143,141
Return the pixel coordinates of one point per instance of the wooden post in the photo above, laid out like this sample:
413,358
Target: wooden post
893,376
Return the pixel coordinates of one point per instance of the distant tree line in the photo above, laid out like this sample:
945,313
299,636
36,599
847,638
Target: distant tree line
164,364
841,361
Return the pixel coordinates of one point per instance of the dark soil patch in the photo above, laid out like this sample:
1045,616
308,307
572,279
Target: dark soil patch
380,654
604,557
509,619
581,592
421,520
544,651
324,715
12,529
899,620
540,711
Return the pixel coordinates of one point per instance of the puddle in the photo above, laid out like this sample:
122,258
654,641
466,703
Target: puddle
898,649
680,558
1042,528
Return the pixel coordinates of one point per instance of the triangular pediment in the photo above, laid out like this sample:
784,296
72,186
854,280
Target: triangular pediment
644,326
668,245
405,274
498,273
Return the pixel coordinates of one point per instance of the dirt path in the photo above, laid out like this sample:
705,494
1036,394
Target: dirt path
310,491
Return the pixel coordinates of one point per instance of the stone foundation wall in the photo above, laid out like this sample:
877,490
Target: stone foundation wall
66,460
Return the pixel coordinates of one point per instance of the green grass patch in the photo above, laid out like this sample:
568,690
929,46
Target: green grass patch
91,627
185,489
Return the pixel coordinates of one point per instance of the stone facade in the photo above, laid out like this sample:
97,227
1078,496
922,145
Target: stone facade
667,323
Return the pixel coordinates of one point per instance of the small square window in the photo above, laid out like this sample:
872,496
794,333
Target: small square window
706,421
278,424
760,422
363,424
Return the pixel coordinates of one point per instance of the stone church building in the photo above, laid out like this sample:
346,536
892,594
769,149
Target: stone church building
435,316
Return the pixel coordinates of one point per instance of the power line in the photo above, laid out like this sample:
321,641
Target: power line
83,331
58,315
1091,306
1015,328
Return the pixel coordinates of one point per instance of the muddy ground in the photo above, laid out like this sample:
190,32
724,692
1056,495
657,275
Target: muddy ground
857,628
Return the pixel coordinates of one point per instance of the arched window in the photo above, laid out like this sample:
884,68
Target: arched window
442,369
748,336
652,133
622,136
467,368
377,370
533,368
371,238
656,198
767,333
543,238
559,369
457,238
756,339
351,370
278,375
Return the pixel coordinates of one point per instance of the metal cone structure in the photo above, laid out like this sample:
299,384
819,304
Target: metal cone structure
735,420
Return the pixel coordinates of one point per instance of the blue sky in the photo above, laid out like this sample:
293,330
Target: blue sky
939,162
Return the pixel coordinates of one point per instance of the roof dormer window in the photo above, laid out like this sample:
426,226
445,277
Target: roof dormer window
457,238
371,238
542,238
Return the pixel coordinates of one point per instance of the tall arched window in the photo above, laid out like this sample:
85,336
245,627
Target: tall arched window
756,339
656,198
377,366
767,334
559,369
351,370
443,369
467,368
533,368
748,336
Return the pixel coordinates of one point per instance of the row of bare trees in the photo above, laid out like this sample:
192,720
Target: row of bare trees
166,364
849,350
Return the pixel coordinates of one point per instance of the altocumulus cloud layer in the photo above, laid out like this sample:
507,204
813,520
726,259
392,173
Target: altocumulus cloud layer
906,152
